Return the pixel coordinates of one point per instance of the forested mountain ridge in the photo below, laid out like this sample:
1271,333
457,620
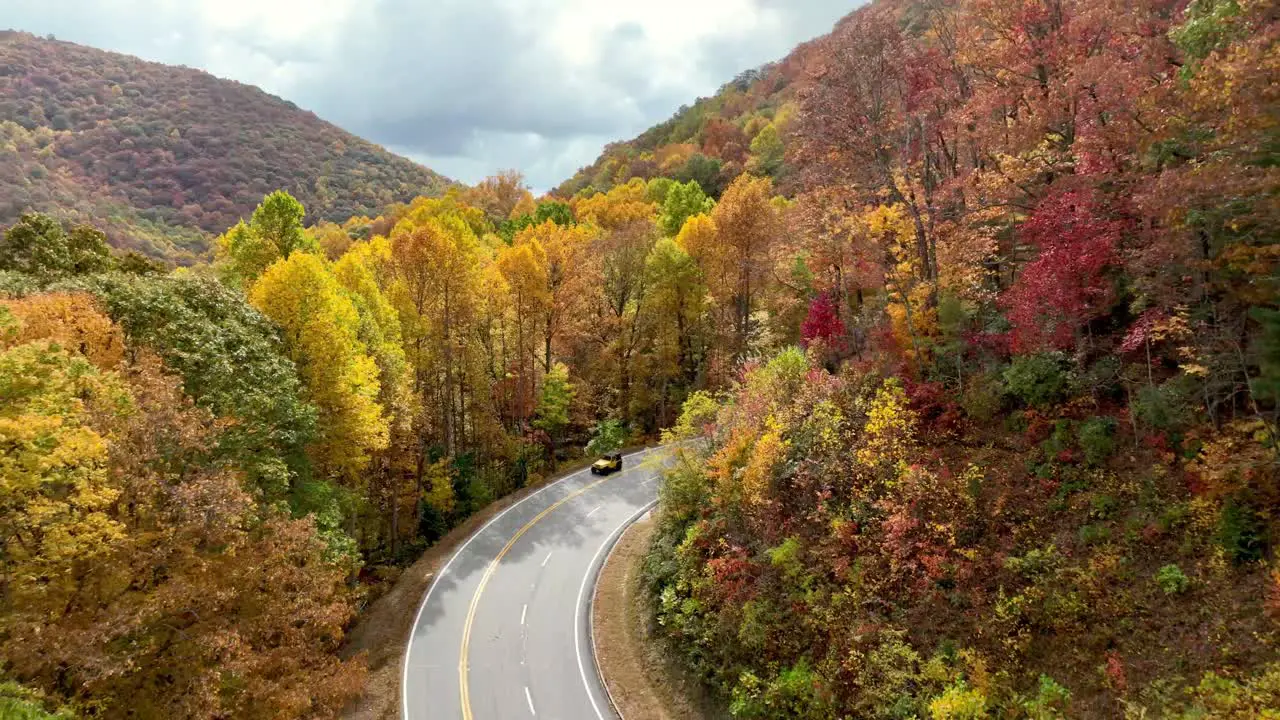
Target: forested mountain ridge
161,157
983,341
739,128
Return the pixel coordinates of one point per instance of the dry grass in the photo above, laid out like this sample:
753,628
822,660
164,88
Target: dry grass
642,681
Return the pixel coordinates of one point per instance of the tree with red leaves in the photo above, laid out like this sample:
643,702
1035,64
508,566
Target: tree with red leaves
823,323
1068,284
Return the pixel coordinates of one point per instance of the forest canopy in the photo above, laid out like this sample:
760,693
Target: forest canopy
161,157
973,305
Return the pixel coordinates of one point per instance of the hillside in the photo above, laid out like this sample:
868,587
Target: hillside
742,127
973,312
161,156
1023,462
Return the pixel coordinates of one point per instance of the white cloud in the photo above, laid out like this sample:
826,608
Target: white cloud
467,86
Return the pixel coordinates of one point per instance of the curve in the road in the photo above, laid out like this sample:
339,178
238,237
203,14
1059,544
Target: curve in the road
492,636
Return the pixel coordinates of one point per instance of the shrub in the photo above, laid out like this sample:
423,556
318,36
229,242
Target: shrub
982,398
1097,439
1035,563
1241,532
21,703
1101,379
1102,506
1038,380
959,702
1050,701
793,694
696,415
888,678
1061,440
1162,407
1094,534
1171,580
1223,698
609,435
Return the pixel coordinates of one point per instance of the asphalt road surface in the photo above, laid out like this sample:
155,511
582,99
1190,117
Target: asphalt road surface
504,630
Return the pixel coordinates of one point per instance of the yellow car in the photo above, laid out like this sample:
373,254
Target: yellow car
611,462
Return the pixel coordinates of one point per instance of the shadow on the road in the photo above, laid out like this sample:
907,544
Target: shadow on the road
564,527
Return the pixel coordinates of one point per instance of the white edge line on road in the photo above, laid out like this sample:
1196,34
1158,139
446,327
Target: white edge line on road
523,611
529,699
408,647
578,617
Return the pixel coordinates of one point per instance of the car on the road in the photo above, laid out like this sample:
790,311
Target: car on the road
609,462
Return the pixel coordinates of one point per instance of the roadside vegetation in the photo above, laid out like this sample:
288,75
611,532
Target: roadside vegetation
1025,463
973,304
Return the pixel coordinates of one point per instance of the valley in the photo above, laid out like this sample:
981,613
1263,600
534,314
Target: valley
958,327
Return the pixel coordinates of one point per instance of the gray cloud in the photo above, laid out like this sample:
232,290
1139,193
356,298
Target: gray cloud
467,86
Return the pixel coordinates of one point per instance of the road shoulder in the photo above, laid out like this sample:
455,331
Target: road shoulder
641,683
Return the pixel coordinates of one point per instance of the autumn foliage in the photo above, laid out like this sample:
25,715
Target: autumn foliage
162,157
143,578
973,305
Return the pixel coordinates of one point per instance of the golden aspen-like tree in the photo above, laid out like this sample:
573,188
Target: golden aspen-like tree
622,205
678,302
437,265
625,329
748,227
364,271
523,267
321,328
568,278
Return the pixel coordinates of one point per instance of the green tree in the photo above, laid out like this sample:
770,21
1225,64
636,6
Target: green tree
703,170
680,343
275,231
552,415
658,189
609,435
767,151
39,245
555,211
232,363
682,202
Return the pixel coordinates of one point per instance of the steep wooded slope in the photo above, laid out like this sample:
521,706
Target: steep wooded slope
712,141
159,156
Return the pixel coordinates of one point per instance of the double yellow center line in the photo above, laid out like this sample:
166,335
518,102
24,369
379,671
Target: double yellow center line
484,580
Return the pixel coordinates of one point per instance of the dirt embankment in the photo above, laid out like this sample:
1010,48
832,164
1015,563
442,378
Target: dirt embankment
642,681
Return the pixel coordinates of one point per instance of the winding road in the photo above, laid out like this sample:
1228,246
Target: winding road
504,630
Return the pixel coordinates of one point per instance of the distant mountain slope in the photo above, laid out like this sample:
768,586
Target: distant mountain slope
714,140
159,156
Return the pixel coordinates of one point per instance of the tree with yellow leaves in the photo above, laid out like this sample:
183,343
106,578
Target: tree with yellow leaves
748,227
568,274
680,332
623,205
322,336
912,308
437,265
55,489
524,268
364,271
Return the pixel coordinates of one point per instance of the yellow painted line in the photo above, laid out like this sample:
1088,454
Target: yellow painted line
484,580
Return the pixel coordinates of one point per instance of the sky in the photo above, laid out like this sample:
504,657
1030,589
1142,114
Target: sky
466,87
